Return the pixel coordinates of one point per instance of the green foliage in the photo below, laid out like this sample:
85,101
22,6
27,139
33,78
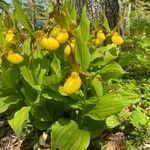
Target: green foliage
105,23
97,87
135,118
112,121
70,10
6,102
33,89
19,121
105,108
33,77
67,135
20,15
111,71
82,54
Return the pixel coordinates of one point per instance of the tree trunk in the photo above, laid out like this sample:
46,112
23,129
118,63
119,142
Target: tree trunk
124,11
95,9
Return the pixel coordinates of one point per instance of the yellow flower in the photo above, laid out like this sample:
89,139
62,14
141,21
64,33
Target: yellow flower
55,31
100,36
9,36
67,49
14,58
117,39
49,43
62,37
72,84
66,33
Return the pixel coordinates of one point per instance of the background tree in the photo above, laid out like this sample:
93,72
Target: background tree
95,9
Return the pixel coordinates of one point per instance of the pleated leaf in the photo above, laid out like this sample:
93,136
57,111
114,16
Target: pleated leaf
97,86
33,77
18,122
112,121
66,135
112,71
112,103
82,54
6,102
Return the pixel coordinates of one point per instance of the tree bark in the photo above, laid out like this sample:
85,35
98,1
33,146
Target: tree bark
95,9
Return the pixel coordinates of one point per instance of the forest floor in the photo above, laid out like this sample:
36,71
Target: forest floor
8,140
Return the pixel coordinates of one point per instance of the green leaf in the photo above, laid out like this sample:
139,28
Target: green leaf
51,94
47,109
34,77
112,121
18,122
26,47
22,17
9,78
38,54
124,114
138,118
6,102
66,135
105,23
70,10
98,87
27,74
112,103
111,71
82,54
95,127
53,81
41,125
29,93
41,113
40,75
55,65
108,53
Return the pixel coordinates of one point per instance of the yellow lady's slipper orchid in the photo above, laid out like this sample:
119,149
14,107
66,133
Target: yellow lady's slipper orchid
14,58
49,43
100,36
9,36
67,49
72,84
55,31
62,37
117,39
